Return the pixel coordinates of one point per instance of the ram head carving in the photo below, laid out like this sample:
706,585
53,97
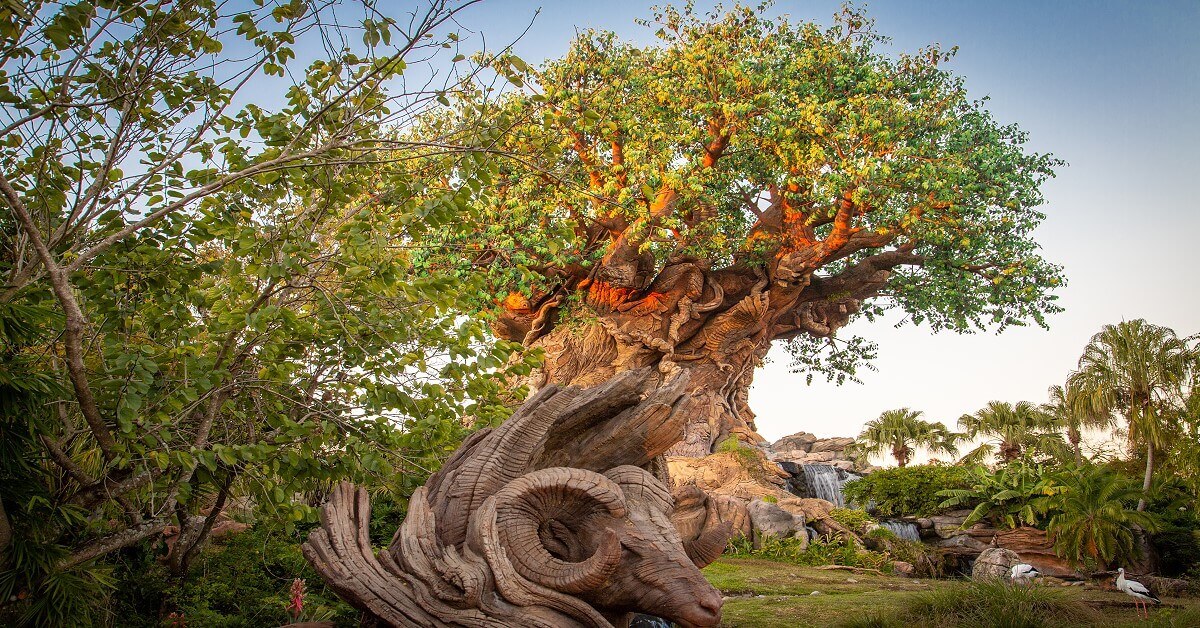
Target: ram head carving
553,519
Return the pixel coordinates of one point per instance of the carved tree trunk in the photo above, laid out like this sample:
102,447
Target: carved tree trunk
718,325
550,520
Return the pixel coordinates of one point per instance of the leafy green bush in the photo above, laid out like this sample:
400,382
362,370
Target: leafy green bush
821,551
852,518
907,491
1009,497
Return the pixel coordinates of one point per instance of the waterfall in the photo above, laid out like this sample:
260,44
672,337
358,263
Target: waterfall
902,529
822,481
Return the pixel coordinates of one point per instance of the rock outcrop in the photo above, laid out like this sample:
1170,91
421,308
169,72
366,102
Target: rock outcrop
804,448
769,520
994,563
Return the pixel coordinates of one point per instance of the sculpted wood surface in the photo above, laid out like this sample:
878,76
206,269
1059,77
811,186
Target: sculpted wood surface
552,519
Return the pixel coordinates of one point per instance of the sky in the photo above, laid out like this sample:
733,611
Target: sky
1110,87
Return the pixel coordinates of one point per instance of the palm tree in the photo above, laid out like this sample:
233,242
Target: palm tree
1139,371
901,432
1093,520
1073,417
1011,430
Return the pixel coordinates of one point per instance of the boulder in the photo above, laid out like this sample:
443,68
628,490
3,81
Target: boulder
800,441
769,519
816,514
949,524
994,563
733,510
925,523
831,444
904,569
1032,545
962,544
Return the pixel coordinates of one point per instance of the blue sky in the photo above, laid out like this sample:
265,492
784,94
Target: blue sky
1111,87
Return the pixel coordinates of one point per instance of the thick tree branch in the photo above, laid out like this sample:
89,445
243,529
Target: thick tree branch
74,325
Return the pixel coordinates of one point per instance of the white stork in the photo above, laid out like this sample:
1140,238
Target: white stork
1137,590
1023,572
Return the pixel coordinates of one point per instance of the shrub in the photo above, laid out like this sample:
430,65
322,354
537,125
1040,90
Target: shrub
823,551
241,581
852,518
907,491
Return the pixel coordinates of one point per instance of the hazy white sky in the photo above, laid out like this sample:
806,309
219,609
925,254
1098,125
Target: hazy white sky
1111,87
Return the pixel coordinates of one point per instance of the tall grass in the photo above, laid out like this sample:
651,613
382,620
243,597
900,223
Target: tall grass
987,604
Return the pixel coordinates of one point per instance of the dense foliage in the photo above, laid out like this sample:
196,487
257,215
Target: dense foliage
907,491
208,297
798,154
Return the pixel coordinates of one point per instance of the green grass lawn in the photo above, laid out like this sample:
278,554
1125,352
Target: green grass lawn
761,593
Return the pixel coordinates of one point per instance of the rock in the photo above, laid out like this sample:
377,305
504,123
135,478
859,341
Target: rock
769,519
1032,545
816,514
846,465
818,457
733,510
815,593
925,523
962,544
724,474
902,568
949,524
851,580
994,563
831,444
801,441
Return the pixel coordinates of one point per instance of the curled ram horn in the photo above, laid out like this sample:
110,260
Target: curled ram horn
530,510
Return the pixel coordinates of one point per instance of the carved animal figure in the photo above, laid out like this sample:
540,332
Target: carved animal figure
552,519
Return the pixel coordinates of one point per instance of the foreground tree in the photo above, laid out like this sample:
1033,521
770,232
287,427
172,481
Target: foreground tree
206,299
1011,431
745,182
901,432
1141,372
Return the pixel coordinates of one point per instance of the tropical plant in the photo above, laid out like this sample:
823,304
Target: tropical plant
908,491
1141,372
1011,496
901,432
1067,411
1095,520
1012,431
749,181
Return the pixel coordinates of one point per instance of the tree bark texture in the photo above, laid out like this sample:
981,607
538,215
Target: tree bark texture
550,520
717,325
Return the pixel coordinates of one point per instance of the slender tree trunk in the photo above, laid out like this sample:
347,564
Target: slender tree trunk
1146,480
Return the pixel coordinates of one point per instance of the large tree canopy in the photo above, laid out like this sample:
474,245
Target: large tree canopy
748,180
